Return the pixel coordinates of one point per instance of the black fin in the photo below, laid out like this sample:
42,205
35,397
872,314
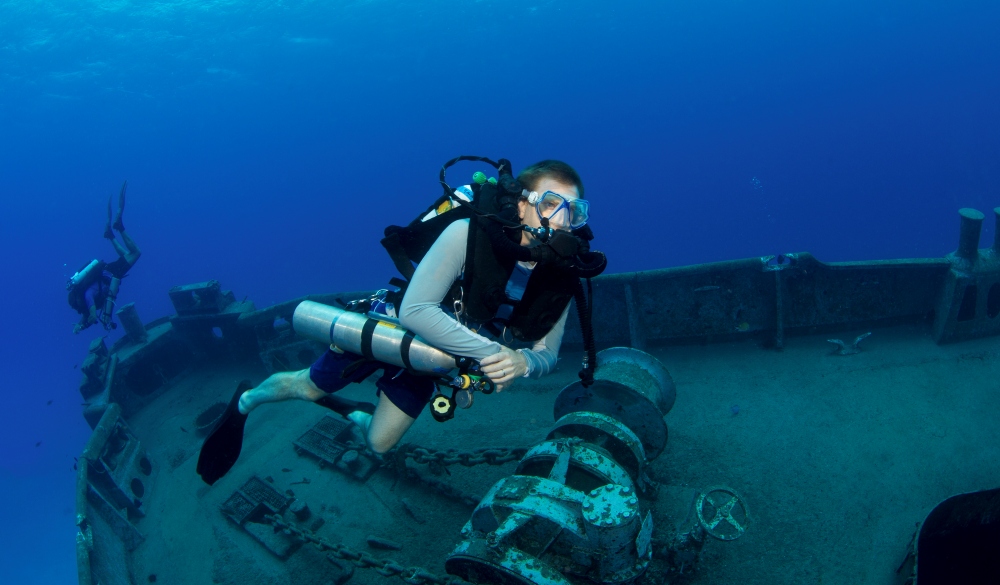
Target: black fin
223,445
108,234
121,208
343,406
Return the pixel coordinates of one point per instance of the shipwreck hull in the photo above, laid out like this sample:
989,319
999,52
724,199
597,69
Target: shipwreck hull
147,390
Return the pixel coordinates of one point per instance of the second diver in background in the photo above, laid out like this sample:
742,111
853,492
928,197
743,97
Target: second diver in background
93,290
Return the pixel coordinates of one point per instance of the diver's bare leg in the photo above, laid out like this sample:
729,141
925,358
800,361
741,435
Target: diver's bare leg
120,249
386,427
281,386
131,252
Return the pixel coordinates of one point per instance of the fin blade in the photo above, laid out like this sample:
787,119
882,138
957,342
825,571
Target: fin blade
223,445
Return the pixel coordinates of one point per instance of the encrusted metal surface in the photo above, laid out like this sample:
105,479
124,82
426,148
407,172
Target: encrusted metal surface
252,495
589,466
639,371
321,440
633,409
623,445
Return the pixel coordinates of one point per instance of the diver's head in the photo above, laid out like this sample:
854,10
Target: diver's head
553,195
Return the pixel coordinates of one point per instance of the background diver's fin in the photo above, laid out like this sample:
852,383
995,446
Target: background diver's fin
344,406
121,208
223,445
108,234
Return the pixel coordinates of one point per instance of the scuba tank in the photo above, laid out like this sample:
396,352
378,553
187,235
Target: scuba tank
372,338
83,275
385,341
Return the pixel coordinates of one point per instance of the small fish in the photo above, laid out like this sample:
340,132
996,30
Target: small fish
285,469
707,288
38,444
735,409
183,430
304,480
49,403
75,366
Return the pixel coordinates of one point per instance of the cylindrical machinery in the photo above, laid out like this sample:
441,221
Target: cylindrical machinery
377,339
571,512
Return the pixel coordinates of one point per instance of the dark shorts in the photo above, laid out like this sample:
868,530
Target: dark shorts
410,393
119,268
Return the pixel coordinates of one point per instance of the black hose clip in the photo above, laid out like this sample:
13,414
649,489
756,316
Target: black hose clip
588,264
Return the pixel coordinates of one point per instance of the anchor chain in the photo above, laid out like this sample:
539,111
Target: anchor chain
487,456
361,559
443,488
396,459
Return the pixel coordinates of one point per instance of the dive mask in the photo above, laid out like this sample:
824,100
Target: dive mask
550,203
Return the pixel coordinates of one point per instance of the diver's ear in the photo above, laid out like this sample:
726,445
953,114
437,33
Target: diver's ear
522,206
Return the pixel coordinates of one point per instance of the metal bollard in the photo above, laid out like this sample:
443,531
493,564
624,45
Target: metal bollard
996,230
130,320
971,228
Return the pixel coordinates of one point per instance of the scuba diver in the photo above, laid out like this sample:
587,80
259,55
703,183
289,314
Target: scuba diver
497,264
93,290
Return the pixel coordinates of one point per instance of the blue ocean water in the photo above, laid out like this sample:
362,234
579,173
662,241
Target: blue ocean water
267,144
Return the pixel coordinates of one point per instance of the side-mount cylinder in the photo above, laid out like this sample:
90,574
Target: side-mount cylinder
372,338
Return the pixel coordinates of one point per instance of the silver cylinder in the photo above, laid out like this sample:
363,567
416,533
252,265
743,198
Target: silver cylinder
362,335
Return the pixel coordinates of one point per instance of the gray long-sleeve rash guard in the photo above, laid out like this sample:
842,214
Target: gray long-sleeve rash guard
421,311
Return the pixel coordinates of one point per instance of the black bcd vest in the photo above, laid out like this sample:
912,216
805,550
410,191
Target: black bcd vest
487,269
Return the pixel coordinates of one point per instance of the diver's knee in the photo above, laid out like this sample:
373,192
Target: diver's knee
380,444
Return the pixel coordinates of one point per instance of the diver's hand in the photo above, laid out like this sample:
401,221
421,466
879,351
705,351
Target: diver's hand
77,328
504,367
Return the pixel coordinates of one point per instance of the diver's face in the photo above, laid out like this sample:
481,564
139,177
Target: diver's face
559,221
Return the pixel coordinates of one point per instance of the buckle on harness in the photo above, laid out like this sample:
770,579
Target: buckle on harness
458,306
